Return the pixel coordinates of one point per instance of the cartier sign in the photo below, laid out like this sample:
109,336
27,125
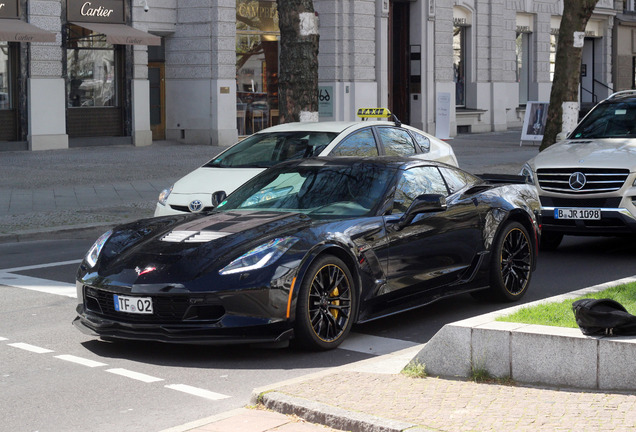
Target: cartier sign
9,9
97,11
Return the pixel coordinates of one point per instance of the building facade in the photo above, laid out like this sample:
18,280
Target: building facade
98,72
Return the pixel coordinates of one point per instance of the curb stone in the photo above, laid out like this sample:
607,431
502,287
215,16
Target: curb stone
84,231
334,417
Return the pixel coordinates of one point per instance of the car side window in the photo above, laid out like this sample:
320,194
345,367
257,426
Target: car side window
359,143
423,142
396,142
417,181
454,179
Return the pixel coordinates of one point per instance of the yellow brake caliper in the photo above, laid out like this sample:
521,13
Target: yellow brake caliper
334,293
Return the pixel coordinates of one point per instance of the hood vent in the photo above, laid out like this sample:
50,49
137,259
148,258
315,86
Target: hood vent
193,236
580,142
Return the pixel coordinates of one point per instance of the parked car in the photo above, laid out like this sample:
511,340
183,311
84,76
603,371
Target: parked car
587,183
306,249
245,159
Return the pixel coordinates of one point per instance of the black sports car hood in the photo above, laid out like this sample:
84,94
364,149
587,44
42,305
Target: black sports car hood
186,246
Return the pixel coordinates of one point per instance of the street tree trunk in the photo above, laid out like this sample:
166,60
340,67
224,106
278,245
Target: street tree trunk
298,64
567,68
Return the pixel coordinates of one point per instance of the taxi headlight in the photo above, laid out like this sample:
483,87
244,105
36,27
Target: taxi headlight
163,196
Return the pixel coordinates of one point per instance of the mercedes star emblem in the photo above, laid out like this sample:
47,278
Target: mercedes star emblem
195,206
577,180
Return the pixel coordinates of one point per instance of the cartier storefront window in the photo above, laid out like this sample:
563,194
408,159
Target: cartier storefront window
93,84
5,77
91,70
9,124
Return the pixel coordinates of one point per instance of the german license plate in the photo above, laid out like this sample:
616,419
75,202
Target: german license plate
137,305
577,213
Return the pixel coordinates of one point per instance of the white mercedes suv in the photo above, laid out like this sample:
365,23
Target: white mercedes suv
587,183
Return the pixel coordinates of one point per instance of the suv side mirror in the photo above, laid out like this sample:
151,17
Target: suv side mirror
218,197
427,203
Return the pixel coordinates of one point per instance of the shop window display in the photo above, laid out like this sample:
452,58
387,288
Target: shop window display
5,77
91,70
257,45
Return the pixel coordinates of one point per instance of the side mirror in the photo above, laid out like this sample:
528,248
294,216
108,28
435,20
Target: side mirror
427,203
218,197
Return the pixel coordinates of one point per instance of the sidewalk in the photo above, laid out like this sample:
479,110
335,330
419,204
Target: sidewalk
83,191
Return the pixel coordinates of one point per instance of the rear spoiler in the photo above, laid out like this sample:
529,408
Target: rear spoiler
503,178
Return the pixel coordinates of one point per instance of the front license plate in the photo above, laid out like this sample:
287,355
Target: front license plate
138,305
577,213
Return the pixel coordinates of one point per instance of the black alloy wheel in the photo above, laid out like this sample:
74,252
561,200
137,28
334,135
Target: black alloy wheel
512,262
326,303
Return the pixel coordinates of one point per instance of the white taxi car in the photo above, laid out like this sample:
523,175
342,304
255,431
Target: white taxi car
242,161
587,183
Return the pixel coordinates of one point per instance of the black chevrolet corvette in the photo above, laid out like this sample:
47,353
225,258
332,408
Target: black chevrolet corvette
308,248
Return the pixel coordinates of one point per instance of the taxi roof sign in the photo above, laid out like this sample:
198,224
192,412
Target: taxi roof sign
373,113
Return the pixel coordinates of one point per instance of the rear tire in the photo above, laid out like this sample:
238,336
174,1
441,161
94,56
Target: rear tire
511,263
326,303
550,241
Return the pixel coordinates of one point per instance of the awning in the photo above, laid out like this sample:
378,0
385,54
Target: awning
121,34
15,30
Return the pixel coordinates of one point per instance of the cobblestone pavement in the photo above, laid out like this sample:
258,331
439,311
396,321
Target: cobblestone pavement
449,405
53,189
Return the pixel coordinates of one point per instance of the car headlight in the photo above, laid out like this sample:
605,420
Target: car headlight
526,172
163,196
260,256
96,249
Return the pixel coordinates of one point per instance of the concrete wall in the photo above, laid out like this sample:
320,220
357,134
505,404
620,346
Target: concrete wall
534,354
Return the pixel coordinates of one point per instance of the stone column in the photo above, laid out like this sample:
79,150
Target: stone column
46,87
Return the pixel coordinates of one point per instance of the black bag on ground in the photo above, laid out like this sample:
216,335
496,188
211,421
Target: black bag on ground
603,317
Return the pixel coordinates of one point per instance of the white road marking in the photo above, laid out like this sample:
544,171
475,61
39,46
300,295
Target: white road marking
80,360
37,266
37,284
374,345
197,391
32,348
134,375
3,338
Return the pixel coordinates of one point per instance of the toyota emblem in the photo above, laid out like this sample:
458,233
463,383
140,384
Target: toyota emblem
195,206
577,181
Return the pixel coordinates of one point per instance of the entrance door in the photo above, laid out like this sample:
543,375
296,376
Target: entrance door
399,79
156,76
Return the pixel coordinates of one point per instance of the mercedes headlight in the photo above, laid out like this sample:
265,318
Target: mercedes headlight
526,172
96,249
163,196
260,256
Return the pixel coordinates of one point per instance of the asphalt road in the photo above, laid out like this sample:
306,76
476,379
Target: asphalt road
55,378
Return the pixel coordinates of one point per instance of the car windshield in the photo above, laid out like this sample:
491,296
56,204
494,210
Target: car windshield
608,120
264,150
318,190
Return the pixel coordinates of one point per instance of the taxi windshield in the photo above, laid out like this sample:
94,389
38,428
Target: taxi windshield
264,150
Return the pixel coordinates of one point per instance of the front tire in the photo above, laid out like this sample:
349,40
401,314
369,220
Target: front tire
326,302
512,262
